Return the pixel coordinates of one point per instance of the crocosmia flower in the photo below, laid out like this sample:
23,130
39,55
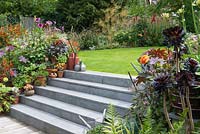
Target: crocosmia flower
144,59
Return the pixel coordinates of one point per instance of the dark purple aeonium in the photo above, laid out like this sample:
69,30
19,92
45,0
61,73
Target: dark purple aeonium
162,82
184,78
191,65
173,36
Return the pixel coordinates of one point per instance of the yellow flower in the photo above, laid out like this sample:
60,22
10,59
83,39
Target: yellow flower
180,11
165,15
5,79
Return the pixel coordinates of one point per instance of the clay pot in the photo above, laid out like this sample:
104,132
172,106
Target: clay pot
53,75
65,66
60,74
40,81
50,70
16,100
29,92
72,61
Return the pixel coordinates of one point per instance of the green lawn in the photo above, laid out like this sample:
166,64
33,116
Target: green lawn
112,60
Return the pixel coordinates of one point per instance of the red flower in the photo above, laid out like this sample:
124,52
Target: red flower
153,19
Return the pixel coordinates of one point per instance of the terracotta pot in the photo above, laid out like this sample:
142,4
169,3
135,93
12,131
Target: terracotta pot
60,74
50,70
16,101
41,81
29,92
65,66
53,75
53,60
72,61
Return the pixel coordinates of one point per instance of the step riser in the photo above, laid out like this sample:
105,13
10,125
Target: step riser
41,125
82,102
117,81
92,90
58,112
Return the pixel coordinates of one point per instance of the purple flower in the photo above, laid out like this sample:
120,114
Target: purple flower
23,59
2,53
63,28
156,60
49,22
37,20
40,25
10,48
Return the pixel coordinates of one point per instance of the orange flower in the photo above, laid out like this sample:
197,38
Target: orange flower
144,59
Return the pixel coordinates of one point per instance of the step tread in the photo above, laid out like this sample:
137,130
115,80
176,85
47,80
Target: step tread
101,99
50,118
67,107
93,84
102,74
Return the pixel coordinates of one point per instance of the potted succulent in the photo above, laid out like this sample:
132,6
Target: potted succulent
15,93
60,67
29,90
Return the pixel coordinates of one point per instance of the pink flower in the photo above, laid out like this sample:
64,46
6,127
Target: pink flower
49,22
40,25
37,20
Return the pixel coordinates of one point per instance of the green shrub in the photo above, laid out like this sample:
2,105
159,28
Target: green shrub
88,40
5,99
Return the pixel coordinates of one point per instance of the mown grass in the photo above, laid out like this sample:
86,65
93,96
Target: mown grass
112,60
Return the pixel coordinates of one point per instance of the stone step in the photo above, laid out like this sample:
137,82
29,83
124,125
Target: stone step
63,110
109,91
89,101
100,77
45,121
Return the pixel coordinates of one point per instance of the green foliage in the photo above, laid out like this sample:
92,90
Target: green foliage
139,8
88,39
96,130
142,33
62,58
5,99
21,80
113,123
190,16
28,8
79,14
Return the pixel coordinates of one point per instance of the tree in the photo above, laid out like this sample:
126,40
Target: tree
80,14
